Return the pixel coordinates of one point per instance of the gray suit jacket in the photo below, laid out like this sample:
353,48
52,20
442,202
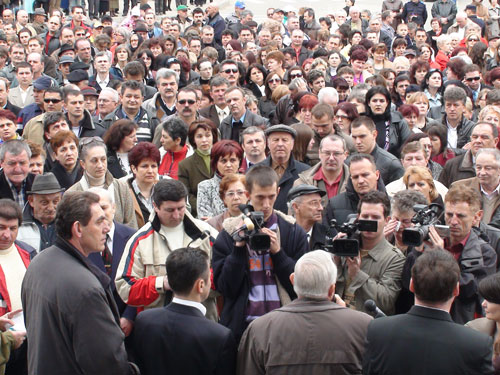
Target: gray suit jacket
15,97
251,119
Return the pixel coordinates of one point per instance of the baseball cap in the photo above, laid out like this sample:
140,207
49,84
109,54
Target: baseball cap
240,4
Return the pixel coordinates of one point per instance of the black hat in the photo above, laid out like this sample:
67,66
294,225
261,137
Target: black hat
141,28
65,47
78,65
282,129
45,184
78,76
304,189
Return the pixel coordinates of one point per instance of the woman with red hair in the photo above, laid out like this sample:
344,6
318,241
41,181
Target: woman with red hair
9,122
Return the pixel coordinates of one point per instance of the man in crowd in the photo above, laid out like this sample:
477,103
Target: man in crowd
106,103
22,95
253,142
102,77
34,109
219,110
483,135
78,118
435,281
141,279
206,346
163,103
364,135
241,273
81,227
38,227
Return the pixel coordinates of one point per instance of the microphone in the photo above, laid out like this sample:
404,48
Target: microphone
372,309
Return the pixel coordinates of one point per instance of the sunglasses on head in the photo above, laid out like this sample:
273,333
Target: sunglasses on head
188,101
227,71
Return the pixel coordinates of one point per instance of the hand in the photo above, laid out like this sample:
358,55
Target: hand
353,266
11,314
19,337
126,326
5,324
435,237
444,20
467,146
338,300
166,285
275,242
390,228
204,218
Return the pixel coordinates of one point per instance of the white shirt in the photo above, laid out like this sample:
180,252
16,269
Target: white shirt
24,94
194,304
452,136
491,195
174,236
103,83
110,236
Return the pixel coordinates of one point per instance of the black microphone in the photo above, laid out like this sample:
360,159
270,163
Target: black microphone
372,309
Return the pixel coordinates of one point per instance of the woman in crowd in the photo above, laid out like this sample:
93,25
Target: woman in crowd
122,57
196,168
426,53
489,290
420,100
266,105
225,159
390,125
147,57
410,113
432,87
420,179
120,138
144,159
418,71
345,113
66,168
455,69
389,76
232,192
380,60
334,60
436,30
438,134
303,106
135,42
302,141
255,77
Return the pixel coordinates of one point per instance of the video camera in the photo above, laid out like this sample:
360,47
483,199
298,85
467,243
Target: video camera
424,217
348,247
253,222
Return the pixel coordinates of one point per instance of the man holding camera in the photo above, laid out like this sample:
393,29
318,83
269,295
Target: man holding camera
375,273
256,282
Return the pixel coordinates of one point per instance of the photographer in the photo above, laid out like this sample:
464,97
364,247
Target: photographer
376,272
252,283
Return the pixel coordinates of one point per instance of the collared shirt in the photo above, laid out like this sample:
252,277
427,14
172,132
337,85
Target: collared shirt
456,250
491,195
19,196
242,119
109,237
103,83
222,113
279,168
24,94
194,304
331,189
452,135
147,202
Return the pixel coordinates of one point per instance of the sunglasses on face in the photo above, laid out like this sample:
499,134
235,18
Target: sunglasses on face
297,75
227,71
272,80
55,101
188,101
470,79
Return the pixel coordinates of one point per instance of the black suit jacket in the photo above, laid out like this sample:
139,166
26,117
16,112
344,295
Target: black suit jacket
425,341
210,113
5,191
179,340
120,238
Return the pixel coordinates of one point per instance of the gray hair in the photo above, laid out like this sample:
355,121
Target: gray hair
490,151
101,54
85,147
15,148
327,92
443,38
165,73
116,96
333,138
296,82
315,273
403,201
245,13
103,193
454,94
252,130
125,32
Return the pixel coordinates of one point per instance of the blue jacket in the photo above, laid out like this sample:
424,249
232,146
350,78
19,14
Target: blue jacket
415,12
26,114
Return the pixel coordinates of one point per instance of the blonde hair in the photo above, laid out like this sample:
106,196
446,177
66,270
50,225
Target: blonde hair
421,173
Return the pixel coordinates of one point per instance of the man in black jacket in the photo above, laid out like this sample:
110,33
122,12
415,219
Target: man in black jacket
254,283
203,346
427,330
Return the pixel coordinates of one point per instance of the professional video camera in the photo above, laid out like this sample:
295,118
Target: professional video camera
253,222
425,216
348,247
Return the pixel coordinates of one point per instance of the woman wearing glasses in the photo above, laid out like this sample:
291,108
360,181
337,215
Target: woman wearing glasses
232,192
266,104
225,158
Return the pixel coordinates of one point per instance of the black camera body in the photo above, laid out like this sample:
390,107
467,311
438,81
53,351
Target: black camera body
254,221
348,247
424,217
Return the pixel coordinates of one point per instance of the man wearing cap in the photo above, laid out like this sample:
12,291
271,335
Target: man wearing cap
103,75
63,71
304,203
280,141
52,101
240,117
90,96
39,18
182,15
38,227
79,78
216,21
36,108
235,18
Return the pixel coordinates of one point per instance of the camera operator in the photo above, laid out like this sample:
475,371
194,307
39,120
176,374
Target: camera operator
304,203
376,272
252,283
364,177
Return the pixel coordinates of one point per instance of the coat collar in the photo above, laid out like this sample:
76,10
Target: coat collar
429,313
304,304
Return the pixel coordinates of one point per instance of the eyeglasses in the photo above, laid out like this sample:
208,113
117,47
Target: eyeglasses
335,154
232,194
55,101
473,40
272,80
298,75
188,101
470,79
234,70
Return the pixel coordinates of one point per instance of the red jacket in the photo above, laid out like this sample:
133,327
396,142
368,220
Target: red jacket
169,165
440,61
26,253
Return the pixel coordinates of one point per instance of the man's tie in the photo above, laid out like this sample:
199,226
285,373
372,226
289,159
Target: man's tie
107,258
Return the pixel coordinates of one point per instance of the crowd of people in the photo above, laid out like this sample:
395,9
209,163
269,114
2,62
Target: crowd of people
172,190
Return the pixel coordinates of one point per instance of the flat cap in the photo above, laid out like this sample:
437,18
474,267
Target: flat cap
304,189
281,129
78,65
66,60
42,83
78,76
89,91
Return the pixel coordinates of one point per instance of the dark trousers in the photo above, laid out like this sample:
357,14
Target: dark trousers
126,5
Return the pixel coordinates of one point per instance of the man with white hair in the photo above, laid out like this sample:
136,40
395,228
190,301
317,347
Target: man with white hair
106,103
328,95
340,17
356,22
459,26
312,320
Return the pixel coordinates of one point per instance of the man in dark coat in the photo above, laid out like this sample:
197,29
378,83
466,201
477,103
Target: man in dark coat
399,344
202,346
280,141
241,273
85,314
